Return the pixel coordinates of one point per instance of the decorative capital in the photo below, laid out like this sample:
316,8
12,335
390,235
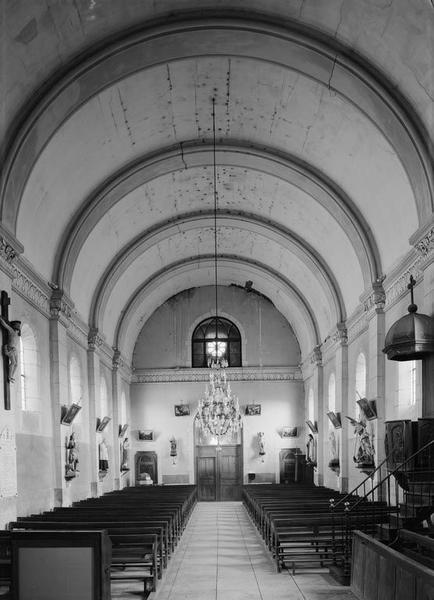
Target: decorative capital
94,340
316,356
117,361
7,252
340,335
376,301
61,307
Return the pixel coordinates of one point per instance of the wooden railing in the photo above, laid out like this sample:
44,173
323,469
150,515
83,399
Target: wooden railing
401,497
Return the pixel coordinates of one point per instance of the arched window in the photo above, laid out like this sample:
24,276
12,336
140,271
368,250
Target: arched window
360,383
29,369
332,393
216,338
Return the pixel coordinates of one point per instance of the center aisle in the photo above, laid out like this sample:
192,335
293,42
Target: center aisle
222,557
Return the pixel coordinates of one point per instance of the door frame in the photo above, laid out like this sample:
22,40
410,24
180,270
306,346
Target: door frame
240,447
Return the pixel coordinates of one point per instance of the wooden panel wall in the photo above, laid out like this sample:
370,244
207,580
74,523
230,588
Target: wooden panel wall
381,573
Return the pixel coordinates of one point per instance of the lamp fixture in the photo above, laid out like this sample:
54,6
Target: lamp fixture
218,410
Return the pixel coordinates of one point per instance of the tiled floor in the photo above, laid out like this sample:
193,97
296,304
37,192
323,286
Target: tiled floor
222,557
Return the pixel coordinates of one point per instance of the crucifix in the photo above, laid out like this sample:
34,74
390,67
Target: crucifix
11,332
410,286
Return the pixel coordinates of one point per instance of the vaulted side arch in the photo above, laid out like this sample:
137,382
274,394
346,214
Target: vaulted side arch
287,239
288,168
320,58
175,277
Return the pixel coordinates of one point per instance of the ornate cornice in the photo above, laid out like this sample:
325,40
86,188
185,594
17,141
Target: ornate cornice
234,374
357,324
10,249
375,300
425,245
30,286
396,285
78,331
336,338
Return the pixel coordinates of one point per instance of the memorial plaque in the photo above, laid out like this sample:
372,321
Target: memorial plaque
8,469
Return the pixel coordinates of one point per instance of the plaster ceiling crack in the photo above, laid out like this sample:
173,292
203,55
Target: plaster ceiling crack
170,102
125,116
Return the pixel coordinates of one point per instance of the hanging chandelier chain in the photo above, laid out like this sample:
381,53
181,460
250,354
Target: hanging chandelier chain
215,208
218,410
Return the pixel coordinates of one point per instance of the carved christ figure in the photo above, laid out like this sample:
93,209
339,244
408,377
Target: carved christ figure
10,348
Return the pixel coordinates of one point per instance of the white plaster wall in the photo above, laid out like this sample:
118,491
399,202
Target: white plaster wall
153,408
34,428
165,342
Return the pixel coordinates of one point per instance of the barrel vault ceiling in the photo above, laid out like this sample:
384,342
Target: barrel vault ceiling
324,116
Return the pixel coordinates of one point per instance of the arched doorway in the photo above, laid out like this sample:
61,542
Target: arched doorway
219,470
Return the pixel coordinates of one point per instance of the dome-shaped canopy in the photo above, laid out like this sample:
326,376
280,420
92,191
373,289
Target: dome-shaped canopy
411,337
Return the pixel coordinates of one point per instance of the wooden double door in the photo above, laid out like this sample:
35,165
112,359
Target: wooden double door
219,472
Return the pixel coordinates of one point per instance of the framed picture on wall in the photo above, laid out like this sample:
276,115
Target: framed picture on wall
253,409
288,432
312,426
335,418
182,410
368,408
101,424
68,413
146,435
122,429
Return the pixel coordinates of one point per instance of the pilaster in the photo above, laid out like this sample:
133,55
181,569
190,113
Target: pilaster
341,355
116,392
60,312
93,367
374,308
424,245
8,451
318,391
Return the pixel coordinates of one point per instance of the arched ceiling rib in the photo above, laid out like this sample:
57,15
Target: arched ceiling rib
175,277
245,158
262,42
203,222
250,245
313,150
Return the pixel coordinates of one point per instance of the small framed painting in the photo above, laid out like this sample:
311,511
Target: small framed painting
335,418
101,424
146,435
368,408
122,430
253,409
68,413
182,410
288,432
312,426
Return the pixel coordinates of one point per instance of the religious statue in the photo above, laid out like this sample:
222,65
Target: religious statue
363,447
311,450
103,456
72,460
173,449
124,462
11,347
261,445
333,452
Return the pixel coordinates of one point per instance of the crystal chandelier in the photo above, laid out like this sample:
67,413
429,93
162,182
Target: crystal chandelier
218,410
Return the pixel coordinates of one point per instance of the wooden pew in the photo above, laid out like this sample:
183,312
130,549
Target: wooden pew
5,558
